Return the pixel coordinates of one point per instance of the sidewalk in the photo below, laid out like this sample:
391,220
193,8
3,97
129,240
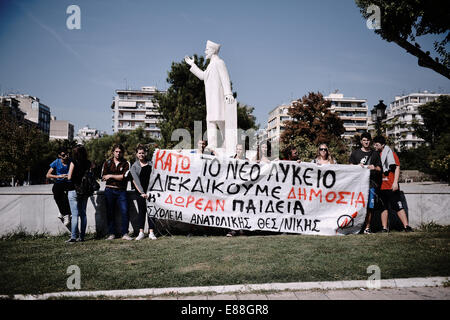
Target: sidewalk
393,289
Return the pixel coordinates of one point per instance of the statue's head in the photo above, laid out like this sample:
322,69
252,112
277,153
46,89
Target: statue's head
211,48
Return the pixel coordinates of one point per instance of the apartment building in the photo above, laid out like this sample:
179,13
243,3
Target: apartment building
401,113
135,108
275,122
61,130
352,111
13,109
86,133
34,110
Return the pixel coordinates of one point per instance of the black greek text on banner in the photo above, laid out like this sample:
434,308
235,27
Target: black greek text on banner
281,196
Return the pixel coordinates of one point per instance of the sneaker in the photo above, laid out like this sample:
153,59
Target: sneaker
367,231
140,236
127,237
384,230
71,240
408,229
80,240
66,220
152,236
111,237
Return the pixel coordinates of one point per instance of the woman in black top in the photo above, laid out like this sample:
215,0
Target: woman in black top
78,167
140,171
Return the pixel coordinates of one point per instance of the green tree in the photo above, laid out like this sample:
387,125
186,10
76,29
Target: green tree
313,123
436,120
403,21
435,130
99,149
21,147
184,103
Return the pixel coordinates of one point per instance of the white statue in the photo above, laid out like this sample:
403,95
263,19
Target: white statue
221,108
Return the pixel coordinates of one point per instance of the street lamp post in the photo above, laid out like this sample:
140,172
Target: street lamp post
378,114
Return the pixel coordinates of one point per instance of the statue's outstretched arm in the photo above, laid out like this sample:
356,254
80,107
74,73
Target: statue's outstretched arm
194,69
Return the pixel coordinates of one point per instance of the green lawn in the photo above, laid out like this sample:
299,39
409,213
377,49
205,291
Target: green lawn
39,264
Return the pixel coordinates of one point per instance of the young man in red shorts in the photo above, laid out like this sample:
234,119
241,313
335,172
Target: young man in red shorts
390,191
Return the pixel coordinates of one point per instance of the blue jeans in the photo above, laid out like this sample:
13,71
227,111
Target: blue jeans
113,196
78,208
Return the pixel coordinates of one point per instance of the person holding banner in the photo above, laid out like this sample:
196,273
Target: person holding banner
323,156
140,171
59,170
370,159
201,149
263,153
240,152
292,154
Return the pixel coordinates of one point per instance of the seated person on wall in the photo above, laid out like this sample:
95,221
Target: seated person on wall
59,170
390,189
115,172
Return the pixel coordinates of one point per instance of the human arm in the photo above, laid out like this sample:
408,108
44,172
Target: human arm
50,175
106,175
396,173
52,169
375,162
139,189
71,167
396,177
136,180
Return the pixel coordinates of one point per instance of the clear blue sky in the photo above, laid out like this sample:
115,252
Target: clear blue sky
275,51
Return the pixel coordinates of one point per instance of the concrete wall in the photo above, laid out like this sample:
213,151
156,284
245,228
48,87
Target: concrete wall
32,209
35,211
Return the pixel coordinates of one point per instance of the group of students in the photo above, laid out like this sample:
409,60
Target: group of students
384,190
67,172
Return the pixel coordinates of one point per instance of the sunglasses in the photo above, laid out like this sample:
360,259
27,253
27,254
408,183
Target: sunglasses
62,155
323,149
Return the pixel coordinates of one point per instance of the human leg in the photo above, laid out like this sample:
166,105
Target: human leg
72,198
110,201
384,199
142,213
370,207
123,205
82,204
62,202
398,207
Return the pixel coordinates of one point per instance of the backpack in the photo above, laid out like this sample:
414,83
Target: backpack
88,185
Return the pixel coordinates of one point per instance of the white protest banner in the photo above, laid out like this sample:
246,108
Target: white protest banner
281,196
